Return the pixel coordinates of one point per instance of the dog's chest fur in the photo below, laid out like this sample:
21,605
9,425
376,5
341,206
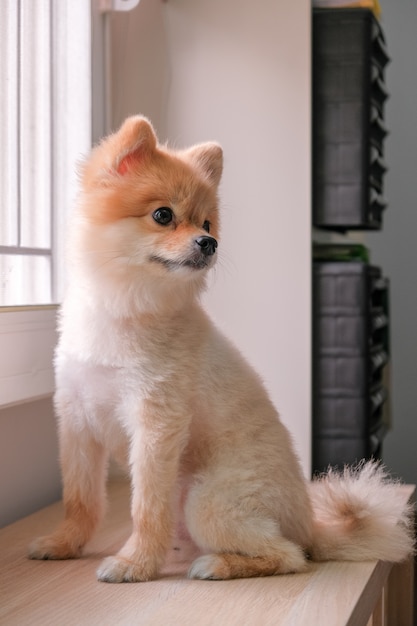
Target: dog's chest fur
113,366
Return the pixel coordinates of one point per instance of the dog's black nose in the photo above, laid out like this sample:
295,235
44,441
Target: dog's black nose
208,245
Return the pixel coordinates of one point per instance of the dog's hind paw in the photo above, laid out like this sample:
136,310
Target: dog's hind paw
115,569
207,568
229,565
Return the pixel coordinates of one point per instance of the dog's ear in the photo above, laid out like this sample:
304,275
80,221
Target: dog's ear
208,158
135,141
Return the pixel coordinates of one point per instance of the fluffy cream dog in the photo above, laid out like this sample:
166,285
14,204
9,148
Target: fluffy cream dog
142,374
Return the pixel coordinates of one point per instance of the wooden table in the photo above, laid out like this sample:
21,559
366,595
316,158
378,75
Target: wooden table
63,593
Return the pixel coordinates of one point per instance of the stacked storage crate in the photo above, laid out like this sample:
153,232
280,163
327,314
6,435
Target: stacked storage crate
351,356
350,296
349,58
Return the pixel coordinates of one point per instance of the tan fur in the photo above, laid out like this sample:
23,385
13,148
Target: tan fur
142,374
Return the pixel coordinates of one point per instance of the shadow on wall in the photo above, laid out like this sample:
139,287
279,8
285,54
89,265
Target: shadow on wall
29,476
394,248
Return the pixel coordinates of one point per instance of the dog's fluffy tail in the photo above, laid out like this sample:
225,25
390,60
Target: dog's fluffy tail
360,515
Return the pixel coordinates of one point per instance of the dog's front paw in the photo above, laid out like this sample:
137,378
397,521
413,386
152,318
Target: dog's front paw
115,569
53,547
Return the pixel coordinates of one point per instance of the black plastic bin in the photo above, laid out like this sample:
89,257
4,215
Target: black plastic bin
349,94
350,360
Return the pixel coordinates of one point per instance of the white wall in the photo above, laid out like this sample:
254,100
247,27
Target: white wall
240,74
140,64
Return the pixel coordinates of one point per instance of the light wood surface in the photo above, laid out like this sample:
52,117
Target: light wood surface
66,592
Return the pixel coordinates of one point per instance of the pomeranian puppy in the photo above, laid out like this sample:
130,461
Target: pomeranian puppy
142,374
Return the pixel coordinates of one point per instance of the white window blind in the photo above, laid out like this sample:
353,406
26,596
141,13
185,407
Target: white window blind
45,126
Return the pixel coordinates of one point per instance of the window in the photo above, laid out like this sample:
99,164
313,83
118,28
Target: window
45,127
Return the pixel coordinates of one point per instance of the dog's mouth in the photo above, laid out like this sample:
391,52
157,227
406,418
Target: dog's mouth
199,262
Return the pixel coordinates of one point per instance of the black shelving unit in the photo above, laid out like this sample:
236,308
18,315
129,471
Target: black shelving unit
350,296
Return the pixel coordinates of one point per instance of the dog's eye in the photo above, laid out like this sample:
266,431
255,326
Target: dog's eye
163,215
206,226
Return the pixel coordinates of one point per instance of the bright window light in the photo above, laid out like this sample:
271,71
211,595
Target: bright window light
45,127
